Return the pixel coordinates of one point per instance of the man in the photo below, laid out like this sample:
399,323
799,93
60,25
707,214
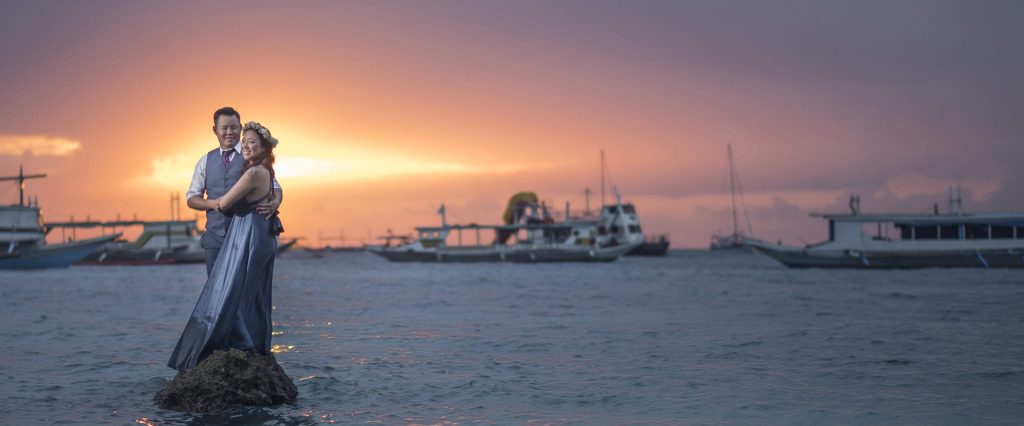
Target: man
216,172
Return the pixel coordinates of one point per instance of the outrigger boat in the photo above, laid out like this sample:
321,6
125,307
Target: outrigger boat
528,235
23,236
160,243
909,240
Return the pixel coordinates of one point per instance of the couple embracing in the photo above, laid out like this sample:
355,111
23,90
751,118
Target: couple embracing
242,197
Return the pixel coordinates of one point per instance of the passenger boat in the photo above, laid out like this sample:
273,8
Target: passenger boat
910,240
528,235
23,236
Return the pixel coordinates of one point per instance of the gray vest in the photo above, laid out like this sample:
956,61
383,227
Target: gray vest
218,181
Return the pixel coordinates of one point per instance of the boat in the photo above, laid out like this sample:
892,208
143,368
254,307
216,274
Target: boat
735,240
529,234
23,236
619,222
160,243
909,240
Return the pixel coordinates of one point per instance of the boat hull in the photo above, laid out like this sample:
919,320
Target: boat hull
54,255
659,248
1003,258
144,257
503,254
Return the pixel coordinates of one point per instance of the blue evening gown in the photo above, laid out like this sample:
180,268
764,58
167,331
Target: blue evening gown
234,309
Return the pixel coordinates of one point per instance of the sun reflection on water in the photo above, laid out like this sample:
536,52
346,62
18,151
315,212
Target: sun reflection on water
281,348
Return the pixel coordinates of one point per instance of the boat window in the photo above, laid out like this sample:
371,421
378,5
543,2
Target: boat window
1020,232
628,208
883,231
1003,232
615,229
634,229
602,230
975,231
906,232
926,232
949,232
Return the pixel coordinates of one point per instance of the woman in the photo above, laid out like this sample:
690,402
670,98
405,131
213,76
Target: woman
234,309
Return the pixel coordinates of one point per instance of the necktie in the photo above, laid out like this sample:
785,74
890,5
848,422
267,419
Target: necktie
225,157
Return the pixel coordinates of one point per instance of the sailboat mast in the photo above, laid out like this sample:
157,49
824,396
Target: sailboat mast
602,179
732,188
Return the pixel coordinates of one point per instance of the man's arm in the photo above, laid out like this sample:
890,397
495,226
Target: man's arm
199,203
196,190
268,208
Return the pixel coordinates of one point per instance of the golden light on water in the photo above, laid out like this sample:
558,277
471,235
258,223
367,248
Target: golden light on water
281,348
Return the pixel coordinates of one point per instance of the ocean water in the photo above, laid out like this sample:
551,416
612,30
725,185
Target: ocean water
694,338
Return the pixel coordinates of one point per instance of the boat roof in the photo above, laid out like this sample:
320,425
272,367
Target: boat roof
500,227
1003,217
97,224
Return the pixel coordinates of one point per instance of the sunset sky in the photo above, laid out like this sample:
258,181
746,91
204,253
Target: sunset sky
387,109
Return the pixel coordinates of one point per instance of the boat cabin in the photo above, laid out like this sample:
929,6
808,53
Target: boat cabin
924,227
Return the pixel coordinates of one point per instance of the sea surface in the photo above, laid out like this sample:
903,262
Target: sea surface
692,338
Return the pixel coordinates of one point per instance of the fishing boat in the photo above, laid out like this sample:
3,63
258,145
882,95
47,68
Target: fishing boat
909,240
23,236
529,235
736,239
160,243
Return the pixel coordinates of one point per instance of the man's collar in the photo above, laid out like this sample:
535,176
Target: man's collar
237,148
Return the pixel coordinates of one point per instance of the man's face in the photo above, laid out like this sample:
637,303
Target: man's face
227,130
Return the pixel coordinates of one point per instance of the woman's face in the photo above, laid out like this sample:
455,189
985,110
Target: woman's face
251,146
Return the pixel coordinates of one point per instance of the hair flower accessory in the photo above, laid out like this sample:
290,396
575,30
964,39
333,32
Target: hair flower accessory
263,131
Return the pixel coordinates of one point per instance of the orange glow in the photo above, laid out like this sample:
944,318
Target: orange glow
380,124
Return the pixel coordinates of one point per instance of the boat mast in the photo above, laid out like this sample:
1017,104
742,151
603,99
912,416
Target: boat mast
586,197
732,188
602,179
21,183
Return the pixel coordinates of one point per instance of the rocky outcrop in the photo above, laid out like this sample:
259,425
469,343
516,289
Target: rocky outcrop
225,379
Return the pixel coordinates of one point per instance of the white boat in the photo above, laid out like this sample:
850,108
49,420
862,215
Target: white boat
909,240
528,235
23,236
736,239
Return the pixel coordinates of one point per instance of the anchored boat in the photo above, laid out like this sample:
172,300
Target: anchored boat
909,240
23,236
735,240
529,234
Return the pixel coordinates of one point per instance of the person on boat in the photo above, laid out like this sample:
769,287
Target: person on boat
234,307
215,173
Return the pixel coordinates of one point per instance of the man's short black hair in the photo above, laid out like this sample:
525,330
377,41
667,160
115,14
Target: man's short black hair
226,111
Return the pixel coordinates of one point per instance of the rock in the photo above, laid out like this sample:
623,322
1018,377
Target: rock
227,378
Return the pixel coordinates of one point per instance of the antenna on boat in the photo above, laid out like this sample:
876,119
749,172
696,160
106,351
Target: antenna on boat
21,183
960,202
441,212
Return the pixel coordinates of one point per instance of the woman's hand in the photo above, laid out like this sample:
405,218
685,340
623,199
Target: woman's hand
216,205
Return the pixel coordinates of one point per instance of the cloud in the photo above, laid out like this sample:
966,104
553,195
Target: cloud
37,145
